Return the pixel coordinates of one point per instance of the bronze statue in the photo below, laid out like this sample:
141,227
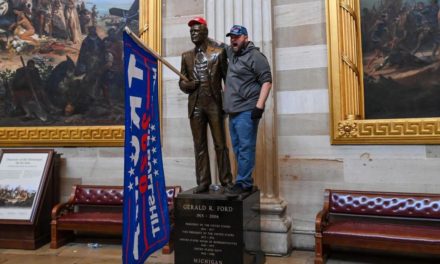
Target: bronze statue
205,66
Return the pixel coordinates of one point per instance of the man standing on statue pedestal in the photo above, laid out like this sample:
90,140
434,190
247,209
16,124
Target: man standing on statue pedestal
248,84
205,66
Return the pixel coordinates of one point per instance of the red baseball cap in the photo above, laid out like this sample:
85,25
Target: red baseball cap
197,20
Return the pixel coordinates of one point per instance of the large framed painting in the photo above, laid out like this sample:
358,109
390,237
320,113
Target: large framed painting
61,70
384,65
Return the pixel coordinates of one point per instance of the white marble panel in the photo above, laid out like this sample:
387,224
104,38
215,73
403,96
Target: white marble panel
433,151
181,7
116,164
411,171
116,152
77,152
167,73
176,127
258,22
175,102
318,147
94,167
311,12
177,27
303,124
66,185
302,57
303,102
175,106
78,167
119,181
176,46
294,170
267,26
238,11
302,79
178,147
180,171
247,17
307,35
171,88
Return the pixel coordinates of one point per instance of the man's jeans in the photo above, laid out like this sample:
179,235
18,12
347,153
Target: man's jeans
243,132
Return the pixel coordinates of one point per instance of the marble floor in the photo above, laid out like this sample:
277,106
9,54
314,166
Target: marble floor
80,253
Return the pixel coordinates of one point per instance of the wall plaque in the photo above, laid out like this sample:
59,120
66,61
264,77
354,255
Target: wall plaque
28,191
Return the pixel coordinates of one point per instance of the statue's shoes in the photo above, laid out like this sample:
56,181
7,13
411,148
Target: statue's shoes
201,189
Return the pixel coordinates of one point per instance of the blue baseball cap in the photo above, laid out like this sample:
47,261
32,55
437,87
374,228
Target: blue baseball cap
237,30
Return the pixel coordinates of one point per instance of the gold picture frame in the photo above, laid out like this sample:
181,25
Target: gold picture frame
345,69
150,25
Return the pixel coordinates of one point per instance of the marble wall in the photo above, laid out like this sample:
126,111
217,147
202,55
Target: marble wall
307,162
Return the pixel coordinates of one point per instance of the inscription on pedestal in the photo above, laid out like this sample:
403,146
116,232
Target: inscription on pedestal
211,229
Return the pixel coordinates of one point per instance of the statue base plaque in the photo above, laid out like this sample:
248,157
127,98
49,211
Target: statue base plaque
213,228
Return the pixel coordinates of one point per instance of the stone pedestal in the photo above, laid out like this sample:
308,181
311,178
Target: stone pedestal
210,228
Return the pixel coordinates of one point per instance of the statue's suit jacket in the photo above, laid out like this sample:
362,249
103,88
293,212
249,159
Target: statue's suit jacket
217,68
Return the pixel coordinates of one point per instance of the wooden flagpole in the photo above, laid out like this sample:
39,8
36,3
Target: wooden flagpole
154,53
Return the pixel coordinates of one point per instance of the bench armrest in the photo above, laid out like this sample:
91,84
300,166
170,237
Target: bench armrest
60,209
321,220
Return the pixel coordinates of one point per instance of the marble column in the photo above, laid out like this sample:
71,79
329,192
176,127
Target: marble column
256,16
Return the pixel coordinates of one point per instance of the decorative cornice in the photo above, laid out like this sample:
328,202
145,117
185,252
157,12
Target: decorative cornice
62,136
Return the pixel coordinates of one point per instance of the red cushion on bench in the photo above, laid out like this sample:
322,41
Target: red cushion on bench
102,218
384,231
99,195
385,204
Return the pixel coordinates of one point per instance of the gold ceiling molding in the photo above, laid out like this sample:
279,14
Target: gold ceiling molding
348,123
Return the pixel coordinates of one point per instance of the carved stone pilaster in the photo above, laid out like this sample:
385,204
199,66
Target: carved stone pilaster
256,16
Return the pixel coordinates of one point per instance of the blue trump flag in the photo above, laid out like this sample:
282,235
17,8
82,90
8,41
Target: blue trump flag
146,223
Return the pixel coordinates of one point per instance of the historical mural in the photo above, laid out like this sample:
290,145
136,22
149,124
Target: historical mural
400,44
61,61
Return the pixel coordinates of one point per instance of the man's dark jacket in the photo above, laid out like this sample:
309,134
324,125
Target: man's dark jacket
217,68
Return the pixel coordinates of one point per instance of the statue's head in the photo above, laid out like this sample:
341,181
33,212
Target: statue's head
199,30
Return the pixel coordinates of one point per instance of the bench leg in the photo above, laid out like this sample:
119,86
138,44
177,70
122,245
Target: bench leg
59,237
320,254
169,247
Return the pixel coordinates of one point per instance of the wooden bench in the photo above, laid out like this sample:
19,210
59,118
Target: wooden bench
96,209
383,221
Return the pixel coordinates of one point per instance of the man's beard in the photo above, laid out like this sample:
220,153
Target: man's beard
240,48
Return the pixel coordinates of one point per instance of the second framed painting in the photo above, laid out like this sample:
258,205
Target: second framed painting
384,63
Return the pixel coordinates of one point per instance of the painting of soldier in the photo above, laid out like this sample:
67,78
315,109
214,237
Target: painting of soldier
401,58
61,61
